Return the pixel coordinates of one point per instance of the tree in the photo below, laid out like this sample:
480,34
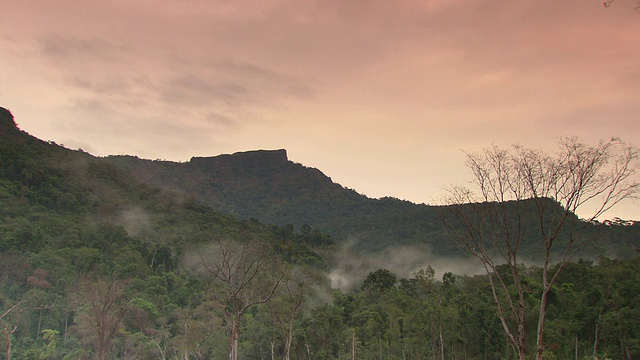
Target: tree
193,330
378,282
287,305
103,305
13,270
525,196
246,274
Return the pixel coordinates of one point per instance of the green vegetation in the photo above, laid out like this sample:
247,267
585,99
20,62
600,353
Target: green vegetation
97,264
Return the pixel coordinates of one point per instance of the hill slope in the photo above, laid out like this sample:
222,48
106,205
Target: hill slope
53,198
267,186
42,177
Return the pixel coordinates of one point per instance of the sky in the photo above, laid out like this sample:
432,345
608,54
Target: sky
385,97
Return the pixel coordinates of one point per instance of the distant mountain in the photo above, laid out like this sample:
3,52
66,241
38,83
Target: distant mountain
221,194
265,185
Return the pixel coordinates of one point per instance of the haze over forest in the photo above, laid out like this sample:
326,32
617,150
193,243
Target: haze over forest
150,246
366,233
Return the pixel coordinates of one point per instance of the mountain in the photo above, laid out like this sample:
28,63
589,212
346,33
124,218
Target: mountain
52,197
267,186
220,194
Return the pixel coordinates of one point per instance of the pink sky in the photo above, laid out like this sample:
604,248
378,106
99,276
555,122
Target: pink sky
382,96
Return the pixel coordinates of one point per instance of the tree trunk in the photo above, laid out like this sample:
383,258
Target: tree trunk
103,354
39,322
273,350
308,351
353,345
7,336
441,337
66,325
288,340
441,343
596,337
623,347
233,340
522,355
541,319
522,339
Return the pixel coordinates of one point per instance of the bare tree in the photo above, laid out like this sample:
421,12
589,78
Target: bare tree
287,305
191,331
103,304
246,274
523,189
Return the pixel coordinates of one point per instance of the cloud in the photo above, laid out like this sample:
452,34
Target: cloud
75,49
195,91
269,80
231,84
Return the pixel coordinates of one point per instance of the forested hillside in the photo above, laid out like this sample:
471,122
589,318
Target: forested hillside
266,186
96,263
75,229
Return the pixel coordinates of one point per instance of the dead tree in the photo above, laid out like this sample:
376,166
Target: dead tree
243,275
521,190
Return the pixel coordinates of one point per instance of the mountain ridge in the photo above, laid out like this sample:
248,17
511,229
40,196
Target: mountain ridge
267,186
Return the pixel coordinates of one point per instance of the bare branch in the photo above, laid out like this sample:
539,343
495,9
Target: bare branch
527,189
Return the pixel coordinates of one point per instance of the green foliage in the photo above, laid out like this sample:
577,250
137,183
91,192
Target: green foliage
379,281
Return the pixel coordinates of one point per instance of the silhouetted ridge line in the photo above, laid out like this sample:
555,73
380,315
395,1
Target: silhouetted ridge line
255,158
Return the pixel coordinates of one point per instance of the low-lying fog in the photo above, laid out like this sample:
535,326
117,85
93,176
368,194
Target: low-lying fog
349,268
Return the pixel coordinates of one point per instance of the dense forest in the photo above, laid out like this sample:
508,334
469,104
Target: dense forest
97,264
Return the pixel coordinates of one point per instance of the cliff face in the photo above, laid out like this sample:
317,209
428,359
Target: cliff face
265,185
260,184
258,159
6,120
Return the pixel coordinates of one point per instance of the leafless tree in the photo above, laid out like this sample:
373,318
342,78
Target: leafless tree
102,305
523,189
192,330
245,274
287,305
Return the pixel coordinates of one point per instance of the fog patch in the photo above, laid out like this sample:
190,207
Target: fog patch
134,220
349,267
192,259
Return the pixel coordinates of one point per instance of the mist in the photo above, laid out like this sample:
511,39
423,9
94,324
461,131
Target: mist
349,268
134,220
